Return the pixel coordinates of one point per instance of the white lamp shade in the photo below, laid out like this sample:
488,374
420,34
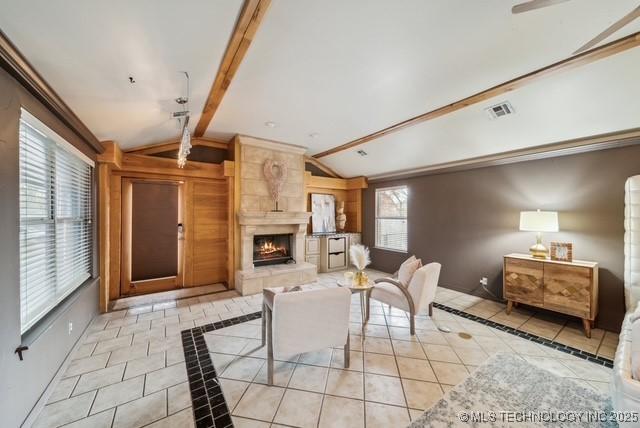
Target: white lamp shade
539,221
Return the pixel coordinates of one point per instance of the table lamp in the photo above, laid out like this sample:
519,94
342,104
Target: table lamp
539,221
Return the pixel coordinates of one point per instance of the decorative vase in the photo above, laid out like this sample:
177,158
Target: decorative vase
341,217
360,279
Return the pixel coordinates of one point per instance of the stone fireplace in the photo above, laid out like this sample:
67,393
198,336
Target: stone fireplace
254,227
271,242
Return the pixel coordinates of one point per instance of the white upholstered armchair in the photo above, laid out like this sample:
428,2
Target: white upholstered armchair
304,321
414,297
625,387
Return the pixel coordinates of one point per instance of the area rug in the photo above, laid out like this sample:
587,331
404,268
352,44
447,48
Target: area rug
508,391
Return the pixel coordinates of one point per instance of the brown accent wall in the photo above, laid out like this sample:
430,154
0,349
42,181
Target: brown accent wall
467,220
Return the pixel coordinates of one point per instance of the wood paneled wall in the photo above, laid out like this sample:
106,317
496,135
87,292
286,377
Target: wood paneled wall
207,235
348,191
208,248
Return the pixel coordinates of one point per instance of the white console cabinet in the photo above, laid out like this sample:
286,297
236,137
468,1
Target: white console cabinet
330,252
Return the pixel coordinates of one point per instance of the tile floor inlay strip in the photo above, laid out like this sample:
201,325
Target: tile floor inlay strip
528,336
209,406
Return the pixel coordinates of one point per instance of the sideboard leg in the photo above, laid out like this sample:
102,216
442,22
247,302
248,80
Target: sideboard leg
509,306
586,324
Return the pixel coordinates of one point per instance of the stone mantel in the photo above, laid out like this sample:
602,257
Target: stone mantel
263,218
251,280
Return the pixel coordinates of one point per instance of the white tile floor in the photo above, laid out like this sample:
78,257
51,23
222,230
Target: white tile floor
560,328
129,370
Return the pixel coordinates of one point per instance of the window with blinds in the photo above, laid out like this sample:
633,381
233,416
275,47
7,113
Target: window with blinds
55,219
391,218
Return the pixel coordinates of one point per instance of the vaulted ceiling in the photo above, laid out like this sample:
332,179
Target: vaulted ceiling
327,73
86,50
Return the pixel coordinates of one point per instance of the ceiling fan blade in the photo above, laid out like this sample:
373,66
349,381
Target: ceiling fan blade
534,4
628,18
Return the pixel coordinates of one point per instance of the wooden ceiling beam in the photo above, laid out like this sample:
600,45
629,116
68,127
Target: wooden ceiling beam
250,18
588,57
111,155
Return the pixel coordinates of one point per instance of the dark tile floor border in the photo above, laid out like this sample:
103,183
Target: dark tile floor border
528,336
209,406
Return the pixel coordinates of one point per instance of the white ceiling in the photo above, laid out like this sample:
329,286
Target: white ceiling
87,49
341,69
347,69
598,98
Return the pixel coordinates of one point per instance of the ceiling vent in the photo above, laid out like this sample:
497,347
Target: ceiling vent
500,110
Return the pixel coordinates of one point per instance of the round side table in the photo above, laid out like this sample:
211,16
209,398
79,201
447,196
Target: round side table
364,299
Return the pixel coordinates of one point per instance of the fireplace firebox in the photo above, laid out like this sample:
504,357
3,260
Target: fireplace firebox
272,249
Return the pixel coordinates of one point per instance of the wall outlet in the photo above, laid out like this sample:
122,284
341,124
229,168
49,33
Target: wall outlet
484,281
70,327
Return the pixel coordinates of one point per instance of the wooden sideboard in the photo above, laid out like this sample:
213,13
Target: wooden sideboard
567,287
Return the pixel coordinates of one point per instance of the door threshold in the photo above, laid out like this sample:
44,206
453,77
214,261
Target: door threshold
165,296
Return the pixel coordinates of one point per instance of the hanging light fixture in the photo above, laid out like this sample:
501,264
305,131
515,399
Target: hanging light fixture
183,120
185,143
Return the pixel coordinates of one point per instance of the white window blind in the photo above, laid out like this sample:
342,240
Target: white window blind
55,219
391,218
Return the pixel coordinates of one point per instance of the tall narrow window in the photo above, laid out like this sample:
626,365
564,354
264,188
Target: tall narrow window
55,219
391,218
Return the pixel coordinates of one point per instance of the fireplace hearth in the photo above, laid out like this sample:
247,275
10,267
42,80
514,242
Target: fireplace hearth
272,249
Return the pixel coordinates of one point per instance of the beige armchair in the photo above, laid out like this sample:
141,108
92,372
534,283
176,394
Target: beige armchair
304,321
413,298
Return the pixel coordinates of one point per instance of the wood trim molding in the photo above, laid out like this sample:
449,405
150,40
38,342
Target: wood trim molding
584,58
246,140
135,163
322,167
335,183
17,65
250,18
103,233
563,148
174,144
111,155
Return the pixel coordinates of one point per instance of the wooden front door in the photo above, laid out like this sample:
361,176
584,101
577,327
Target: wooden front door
206,217
151,249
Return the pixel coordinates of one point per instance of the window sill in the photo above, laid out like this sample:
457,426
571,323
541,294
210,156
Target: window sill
393,250
35,331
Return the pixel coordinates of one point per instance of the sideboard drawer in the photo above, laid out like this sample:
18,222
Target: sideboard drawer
523,281
337,260
337,244
568,289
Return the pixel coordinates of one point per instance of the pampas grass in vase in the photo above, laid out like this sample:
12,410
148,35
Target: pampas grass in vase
360,259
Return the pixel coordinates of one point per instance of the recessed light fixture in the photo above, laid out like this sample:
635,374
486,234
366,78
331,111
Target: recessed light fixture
270,124
362,153
314,135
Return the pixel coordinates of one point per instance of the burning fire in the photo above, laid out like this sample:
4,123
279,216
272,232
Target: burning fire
268,248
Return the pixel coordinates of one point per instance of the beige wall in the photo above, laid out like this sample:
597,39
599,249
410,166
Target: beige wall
254,191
